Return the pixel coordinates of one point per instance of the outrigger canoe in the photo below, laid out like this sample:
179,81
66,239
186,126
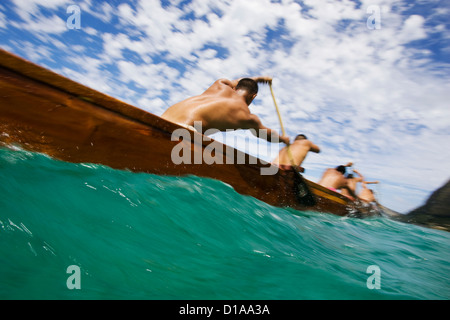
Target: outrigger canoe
44,112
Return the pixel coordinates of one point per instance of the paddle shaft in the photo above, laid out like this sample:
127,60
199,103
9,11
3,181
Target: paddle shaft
278,110
291,157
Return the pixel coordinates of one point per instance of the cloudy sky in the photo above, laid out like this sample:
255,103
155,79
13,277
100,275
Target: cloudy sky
367,81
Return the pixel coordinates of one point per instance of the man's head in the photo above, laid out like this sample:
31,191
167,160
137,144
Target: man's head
301,137
341,169
249,87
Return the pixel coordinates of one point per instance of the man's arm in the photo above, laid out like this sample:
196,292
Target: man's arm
361,178
263,79
260,79
314,148
350,191
230,83
253,122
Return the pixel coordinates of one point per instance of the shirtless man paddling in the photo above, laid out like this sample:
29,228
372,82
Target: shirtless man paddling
352,183
297,150
224,105
366,194
334,178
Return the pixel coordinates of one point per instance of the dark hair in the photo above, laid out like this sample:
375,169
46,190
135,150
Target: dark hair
341,169
301,136
350,176
248,85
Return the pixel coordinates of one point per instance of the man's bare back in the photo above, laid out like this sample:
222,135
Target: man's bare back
352,183
212,107
366,194
333,179
298,151
221,107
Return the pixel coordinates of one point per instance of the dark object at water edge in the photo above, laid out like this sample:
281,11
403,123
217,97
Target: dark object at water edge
435,213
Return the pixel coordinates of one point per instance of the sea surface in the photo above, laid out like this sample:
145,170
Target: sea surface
83,231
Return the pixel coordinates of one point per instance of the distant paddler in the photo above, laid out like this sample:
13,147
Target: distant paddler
296,154
352,183
367,194
334,179
224,105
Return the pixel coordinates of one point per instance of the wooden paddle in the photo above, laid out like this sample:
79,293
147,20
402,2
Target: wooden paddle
302,191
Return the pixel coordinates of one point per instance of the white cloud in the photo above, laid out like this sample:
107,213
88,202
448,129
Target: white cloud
104,12
156,106
152,77
33,52
90,31
34,21
26,8
43,25
413,29
3,21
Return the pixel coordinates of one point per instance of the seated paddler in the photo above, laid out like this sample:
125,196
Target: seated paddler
224,105
295,153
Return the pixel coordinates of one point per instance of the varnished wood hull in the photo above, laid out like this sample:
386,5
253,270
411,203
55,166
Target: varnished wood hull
44,112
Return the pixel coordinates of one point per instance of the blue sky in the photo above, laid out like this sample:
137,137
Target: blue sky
377,97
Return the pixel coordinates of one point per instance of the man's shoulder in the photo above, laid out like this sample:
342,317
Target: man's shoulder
221,87
223,83
303,143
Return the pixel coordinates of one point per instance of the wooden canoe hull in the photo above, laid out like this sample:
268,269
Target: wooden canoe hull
44,112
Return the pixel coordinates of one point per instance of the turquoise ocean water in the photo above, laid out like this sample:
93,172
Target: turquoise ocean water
141,236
